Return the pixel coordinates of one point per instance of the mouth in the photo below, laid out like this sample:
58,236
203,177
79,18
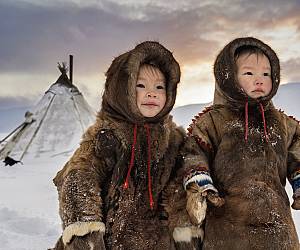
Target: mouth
150,104
258,91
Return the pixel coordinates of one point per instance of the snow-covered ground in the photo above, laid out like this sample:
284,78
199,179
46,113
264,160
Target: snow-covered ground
29,217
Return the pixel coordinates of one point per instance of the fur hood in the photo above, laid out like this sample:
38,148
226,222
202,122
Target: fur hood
119,98
227,90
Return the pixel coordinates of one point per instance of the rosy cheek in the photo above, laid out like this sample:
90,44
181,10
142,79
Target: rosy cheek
138,98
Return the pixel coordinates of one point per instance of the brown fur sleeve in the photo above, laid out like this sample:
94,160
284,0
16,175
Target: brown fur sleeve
79,189
79,183
294,154
174,196
199,147
185,234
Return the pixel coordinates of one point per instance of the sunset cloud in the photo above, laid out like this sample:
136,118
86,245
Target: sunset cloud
290,70
35,35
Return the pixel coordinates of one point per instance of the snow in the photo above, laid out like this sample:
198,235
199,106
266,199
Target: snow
29,217
28,208
183,115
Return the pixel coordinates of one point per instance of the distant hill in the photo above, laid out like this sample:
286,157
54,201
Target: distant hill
183,115
287,99
12,117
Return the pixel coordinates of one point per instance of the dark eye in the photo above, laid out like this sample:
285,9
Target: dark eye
140,85
266,74
160,87
249,73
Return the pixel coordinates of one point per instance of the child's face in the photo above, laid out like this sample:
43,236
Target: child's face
254,75
150,91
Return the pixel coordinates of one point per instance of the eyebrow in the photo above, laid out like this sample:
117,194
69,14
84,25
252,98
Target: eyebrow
159,79
250,67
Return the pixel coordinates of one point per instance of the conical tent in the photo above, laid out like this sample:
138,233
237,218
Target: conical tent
54,127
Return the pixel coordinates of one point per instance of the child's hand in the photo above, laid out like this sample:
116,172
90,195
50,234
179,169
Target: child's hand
214,198
296,197
211,195
296,204
196,202
196,206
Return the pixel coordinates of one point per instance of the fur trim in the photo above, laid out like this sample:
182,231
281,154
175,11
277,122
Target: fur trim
81,229
185,234
201,178
225,72
119,97
205,146
295,181
196,117
296,174
290,116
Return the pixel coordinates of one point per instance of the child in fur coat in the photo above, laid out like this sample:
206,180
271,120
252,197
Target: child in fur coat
115,192
245,149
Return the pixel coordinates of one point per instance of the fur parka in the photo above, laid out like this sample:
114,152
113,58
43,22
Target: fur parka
249,174
91,186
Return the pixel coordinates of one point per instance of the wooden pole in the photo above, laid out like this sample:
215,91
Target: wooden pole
12,132
71,69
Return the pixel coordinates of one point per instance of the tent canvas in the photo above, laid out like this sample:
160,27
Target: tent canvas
55,125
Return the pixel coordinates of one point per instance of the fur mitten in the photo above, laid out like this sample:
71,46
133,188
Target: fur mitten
296,197
89,241
199,187
196,202
214,198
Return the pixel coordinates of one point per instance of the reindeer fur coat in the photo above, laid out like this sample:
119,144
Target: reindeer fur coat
91,189
250,175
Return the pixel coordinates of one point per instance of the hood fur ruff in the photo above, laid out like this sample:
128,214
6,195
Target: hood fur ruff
227,90
119,98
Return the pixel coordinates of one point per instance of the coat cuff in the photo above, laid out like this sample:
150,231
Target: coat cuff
201,178
186,234
80,229
295,181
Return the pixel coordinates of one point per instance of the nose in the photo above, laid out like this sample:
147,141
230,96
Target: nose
259,81
151,94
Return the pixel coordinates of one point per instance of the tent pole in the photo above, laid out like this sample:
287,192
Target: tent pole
12,132
71,68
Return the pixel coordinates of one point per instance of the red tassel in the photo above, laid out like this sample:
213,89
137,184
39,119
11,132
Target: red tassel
264,121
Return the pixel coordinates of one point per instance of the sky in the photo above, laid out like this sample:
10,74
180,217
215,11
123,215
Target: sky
36,34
